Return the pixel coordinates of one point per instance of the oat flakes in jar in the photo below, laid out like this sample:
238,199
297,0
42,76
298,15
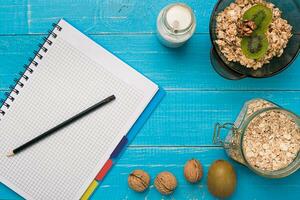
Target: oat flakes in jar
265,138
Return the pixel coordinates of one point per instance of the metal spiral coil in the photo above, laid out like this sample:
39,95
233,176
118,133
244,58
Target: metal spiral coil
23,76
2,112
59,28
44,49
34,61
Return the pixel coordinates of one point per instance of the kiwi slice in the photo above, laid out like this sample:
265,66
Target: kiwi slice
261,15
255,46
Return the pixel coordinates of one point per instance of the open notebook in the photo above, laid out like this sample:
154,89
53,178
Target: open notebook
69,74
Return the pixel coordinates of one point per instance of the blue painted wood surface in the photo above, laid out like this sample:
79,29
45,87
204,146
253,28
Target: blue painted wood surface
181,127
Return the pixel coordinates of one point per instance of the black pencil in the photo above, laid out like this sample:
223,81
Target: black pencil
60,126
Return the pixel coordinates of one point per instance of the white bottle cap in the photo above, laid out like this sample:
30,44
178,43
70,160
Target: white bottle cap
176,23
179,17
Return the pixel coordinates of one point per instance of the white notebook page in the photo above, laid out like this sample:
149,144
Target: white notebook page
74,74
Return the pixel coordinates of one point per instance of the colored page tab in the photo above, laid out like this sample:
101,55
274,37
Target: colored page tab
88,193
119,148
104,170
145,115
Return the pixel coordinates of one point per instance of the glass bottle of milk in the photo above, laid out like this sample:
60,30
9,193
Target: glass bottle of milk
176,24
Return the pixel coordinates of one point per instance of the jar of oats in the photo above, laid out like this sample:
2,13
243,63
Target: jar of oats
264,137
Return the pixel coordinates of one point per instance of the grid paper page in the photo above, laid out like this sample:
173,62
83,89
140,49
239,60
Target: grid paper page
66,82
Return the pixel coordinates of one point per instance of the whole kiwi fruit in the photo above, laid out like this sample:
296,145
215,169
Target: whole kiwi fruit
221,179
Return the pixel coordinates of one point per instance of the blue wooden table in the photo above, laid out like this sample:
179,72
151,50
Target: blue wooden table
182,125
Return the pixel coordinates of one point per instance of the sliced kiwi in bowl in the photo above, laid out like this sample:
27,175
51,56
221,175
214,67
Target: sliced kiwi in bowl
255,46
261,15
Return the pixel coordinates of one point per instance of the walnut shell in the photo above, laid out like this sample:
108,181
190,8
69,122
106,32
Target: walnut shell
193,171
165,183
138,180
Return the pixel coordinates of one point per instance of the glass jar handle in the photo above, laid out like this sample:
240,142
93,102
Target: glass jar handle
217,131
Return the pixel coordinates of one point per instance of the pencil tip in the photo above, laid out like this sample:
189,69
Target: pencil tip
10,154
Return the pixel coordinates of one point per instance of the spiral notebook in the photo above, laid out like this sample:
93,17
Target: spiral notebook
69,73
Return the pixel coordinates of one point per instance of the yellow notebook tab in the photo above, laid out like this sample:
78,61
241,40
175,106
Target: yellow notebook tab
90,190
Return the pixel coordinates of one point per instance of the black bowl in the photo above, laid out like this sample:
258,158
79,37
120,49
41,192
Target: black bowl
233,70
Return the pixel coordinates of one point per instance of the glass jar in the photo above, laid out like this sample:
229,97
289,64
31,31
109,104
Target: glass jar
176,24
234,141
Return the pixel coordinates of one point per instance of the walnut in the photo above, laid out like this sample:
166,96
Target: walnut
138,180
245,27
193,171
165,183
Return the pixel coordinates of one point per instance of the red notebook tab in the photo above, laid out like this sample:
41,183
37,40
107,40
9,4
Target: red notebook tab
104,170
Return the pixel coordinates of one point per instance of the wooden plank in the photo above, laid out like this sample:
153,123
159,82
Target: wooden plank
97,16
8,194
187,68
187,118
154,160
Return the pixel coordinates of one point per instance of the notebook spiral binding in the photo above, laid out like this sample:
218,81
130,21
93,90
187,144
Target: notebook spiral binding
29,69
